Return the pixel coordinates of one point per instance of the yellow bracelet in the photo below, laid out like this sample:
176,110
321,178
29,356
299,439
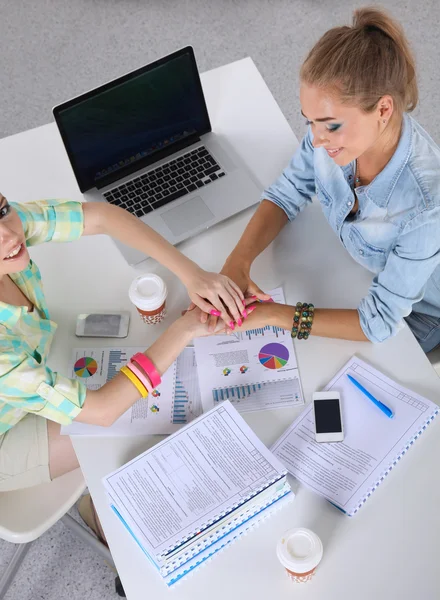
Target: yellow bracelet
135,381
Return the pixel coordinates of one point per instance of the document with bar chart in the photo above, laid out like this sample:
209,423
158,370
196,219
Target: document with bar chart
175,403
254,370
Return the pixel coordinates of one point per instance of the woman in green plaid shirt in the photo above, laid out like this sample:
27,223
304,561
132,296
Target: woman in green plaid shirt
35,401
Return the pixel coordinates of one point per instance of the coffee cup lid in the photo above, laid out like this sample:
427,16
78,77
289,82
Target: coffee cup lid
299,550
148,292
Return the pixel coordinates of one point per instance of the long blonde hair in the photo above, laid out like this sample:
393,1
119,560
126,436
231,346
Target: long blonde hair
364,62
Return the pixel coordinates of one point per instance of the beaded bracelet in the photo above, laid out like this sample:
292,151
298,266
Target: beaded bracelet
302,320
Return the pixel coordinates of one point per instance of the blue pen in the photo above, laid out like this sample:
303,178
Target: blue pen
378,403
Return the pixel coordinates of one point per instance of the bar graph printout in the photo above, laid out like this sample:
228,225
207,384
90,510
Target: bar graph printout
173,404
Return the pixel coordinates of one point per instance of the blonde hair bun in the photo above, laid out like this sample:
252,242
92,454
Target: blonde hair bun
364,62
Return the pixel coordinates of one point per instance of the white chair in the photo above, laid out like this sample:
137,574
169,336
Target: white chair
28,513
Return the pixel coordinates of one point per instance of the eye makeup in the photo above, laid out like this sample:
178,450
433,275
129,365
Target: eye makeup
5,208
331,128
334,127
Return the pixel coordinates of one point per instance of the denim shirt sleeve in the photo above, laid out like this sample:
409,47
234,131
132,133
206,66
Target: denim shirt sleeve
403,280
296,185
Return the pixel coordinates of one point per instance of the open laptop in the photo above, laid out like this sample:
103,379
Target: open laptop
144,142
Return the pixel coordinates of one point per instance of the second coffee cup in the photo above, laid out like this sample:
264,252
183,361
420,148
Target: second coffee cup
149,293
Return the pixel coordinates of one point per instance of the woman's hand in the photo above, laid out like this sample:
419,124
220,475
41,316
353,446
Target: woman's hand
240,274
215,294
195,326
259,315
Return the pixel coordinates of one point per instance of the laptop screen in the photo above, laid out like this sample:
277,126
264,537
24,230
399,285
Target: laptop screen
133,121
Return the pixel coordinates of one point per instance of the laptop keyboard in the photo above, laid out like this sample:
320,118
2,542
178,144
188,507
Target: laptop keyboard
166,183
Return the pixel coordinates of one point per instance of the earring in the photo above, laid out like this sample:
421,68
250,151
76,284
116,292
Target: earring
384,121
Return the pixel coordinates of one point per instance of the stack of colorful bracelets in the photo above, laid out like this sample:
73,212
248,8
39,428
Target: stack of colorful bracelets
303,320
142,374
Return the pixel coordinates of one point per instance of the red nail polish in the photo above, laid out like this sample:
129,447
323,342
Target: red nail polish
251,309
245,313
231,325
239,322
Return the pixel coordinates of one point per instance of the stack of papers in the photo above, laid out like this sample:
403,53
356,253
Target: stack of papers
197,491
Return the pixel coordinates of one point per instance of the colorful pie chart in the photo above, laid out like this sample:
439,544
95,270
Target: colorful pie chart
85,367
273,356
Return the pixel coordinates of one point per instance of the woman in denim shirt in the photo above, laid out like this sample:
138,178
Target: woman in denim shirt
376,173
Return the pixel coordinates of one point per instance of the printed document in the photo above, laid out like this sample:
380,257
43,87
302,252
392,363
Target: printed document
254,370
179,486
173,404
346,472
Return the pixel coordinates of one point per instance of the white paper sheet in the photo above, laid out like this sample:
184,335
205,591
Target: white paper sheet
347,472
179,486
254,370
175,402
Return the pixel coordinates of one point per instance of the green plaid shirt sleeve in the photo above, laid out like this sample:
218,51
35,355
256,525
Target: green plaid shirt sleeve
30,387
50,220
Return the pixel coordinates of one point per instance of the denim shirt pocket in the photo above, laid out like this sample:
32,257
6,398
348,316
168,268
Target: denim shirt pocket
323,197
369,256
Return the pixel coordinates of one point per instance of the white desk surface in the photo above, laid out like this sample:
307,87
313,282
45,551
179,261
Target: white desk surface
389,549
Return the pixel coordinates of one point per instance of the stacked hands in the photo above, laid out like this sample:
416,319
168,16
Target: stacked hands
225,302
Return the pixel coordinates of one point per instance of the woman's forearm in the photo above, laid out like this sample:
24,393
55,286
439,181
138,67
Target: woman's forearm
261,230
104,406
123,226
333,323
338,323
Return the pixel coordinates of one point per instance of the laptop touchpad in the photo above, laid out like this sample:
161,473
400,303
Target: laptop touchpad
188,216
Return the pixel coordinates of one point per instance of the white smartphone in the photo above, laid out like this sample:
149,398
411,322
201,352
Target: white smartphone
103,325
328,419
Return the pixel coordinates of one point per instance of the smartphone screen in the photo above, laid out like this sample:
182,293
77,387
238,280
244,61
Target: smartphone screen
327,416
102,325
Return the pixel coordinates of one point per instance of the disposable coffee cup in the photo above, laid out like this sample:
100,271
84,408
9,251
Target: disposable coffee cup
300,552
149,293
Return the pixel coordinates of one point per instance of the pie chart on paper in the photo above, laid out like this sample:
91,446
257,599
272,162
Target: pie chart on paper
85,367
273,356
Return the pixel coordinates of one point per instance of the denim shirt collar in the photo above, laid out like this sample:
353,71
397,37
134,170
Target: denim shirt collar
381,188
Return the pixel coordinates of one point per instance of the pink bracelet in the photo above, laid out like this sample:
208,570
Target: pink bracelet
141,376
145,363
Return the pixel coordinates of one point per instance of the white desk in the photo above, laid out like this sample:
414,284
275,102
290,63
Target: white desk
389,550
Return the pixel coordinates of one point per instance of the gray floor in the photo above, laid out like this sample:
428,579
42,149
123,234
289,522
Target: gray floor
51,50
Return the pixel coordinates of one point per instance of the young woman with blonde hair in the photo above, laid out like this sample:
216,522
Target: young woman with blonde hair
376,174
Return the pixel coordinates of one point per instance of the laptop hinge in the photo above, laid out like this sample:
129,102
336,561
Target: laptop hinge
148,160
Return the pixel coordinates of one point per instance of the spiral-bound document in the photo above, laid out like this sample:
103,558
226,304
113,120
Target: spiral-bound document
347,473
195,492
